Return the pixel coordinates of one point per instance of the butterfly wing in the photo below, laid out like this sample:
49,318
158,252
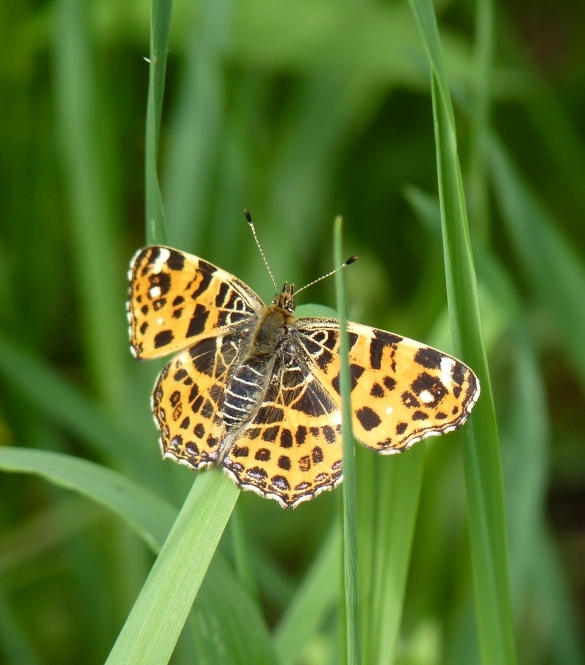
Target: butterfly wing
188,397
175,297
291,449
402,390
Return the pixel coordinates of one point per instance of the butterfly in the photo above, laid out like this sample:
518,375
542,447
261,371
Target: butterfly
256,391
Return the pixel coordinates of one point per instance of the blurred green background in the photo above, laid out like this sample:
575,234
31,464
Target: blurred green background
298,110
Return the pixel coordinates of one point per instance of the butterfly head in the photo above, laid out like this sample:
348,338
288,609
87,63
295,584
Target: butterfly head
286,299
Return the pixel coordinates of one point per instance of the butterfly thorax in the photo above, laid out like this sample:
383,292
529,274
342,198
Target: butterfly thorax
247,386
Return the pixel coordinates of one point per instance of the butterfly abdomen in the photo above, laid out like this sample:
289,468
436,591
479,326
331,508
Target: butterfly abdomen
247,386
244,391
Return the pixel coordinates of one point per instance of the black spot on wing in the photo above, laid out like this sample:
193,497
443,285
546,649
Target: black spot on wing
198,320
355,370
427,382
270,433
221,294
429,358
207,271
262,455
286,439
162,280
280,483
380,341
284,462
368,418
163,338
176,260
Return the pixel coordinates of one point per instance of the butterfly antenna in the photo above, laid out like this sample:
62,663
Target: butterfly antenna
343,265
248,217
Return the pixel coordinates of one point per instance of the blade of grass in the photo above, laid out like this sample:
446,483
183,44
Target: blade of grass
482,87
241,553
544,254
482,461
149,515
101,289
198,125
67,406
229,627
221,600
397,504
160,26
157,618
350,566
317,593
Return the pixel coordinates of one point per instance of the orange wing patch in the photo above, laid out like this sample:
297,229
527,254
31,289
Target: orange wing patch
175,297
188,398
402,391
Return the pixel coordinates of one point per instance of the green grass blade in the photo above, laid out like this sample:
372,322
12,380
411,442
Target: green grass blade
482,87
555,270
149,515
157,618
198,125
241,553
396,510
317,593
221,601
94,246
229,628
160,26
350,566
482,461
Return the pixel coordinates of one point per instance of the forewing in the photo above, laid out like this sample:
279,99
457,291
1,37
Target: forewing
402,391
176,297
188,398
291,449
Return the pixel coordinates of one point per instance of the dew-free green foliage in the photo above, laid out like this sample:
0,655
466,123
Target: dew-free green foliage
469,547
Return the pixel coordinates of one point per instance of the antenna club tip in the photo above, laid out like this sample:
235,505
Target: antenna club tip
350,260
247,215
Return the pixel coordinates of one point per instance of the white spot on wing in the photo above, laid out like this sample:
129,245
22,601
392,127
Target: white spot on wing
160,321
389,410
161,259
426,396
154,292
446,368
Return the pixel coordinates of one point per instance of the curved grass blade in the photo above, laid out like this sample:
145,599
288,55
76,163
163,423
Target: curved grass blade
350,567
483,469
157,618
149,515
67,406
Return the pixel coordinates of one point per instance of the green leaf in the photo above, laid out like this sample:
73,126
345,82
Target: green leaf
157,618
555,270
350,564
160,26
150,516
483,470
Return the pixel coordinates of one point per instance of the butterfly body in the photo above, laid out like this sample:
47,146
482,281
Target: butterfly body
256,391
